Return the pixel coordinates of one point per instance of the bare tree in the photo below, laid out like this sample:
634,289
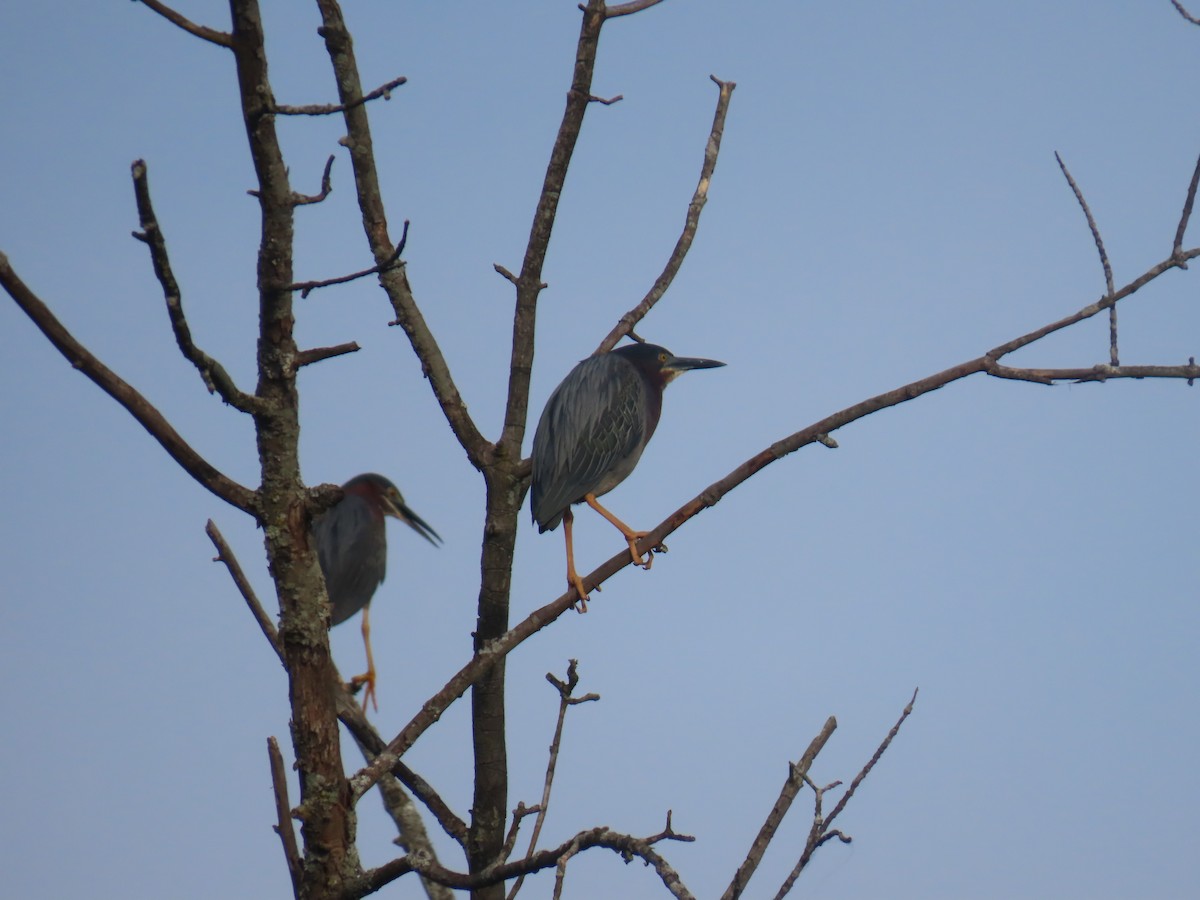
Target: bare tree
324,861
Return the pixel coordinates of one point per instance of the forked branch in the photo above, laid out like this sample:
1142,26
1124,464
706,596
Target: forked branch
215,378
565,702
822,830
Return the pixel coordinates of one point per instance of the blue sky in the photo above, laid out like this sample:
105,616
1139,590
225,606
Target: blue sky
886,204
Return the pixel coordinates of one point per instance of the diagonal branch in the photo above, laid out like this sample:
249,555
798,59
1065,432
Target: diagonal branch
797,773
1183,12
372,744
215,378
220,38
225,555
1113,356
112,384
691,222
529,283
822,831
283,815
1188,203
394,280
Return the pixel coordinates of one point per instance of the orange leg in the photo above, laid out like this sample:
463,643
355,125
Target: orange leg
368,677
573,579
631,537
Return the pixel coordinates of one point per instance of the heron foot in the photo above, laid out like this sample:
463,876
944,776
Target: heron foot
632,539
367,682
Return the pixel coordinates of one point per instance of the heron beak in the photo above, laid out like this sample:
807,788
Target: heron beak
401,511
677,365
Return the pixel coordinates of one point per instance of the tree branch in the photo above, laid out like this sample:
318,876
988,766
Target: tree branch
326,187
529,283
1188,203
1183,12
307,287
146,414
1113,356
624,845
797,772
220,38
315,355
215,378
712,150
283,814
626,9
821,830
1096,373
565,701
394,280
225,555
325,109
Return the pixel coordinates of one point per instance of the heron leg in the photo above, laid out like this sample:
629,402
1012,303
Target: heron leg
368,677
573,578
631,537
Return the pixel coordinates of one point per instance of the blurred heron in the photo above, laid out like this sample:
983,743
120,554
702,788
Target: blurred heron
352,548
592,433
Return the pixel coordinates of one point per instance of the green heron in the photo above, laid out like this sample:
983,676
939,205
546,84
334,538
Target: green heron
352,549
592,433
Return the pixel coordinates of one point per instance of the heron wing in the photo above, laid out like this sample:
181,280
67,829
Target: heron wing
352,550
590,436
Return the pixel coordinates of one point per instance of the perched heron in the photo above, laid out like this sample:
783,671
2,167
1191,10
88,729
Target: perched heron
592,433
352,548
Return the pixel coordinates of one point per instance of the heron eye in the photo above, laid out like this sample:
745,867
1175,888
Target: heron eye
662,357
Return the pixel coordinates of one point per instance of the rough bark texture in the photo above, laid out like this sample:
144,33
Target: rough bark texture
326,812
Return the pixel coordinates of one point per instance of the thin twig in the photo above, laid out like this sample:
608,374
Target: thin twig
225,555
565,701
326,187
326,109
220,38
518,816
1188,203
215,378
880,750
1113,357
1095,373
1183,12
307,287
146,414
691,222
283,814
821,830
797,773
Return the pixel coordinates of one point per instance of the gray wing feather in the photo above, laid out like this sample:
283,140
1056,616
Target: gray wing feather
590,436
352,550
